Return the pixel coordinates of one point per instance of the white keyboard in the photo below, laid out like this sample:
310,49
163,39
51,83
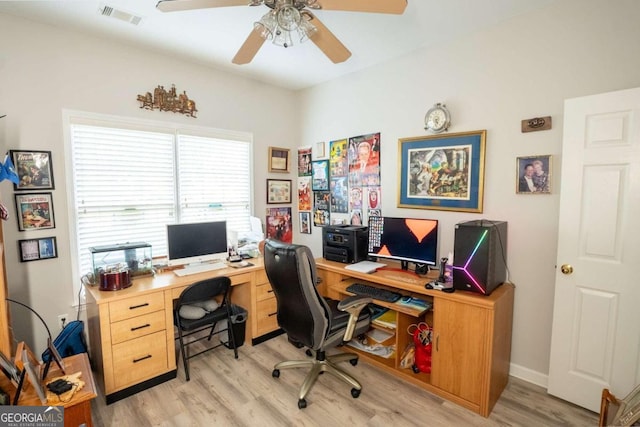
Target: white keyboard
195,269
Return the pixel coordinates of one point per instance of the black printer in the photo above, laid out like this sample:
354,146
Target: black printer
345,243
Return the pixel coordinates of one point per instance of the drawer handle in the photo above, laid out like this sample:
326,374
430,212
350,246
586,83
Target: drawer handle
140,327
270,291
148,356
272,314
138,306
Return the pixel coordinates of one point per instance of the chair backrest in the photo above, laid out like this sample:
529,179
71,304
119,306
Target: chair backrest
205,290
302,313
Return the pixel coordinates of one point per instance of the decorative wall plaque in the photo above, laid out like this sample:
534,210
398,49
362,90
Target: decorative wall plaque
164,100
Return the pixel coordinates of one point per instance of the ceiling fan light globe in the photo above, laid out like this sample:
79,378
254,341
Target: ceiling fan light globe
282,38
306,30
288,17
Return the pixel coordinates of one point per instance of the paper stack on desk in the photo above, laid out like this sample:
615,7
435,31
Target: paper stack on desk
386,320
365,266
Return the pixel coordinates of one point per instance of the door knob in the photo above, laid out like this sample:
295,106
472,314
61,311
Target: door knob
566,269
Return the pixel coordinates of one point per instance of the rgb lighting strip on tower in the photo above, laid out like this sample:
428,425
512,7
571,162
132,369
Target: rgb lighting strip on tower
464,268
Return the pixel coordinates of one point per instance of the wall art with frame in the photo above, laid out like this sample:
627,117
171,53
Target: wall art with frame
533,175
37,249
34,211
278,159
278,191
442,172
305,222
34,168
320,175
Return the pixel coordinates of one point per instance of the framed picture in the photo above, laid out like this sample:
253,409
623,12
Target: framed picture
278,191
34,211
305,222
9,369
318,150
533,175
35,249
278,159
320,175
34,170
442,172
279,225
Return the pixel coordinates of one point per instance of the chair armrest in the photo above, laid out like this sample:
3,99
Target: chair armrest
353,305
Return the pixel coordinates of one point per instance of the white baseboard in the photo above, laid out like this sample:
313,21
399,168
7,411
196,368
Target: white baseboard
529,375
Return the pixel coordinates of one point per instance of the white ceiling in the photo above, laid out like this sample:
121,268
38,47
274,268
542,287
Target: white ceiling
213,36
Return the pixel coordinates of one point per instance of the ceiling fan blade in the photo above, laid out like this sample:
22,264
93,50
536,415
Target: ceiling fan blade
178,5
327,42
249,48
374,6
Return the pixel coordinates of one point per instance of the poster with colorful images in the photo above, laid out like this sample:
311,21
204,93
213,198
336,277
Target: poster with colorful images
338,158
304,161
364,160
339,197
279,224
304,193
305,222
320,171
321,200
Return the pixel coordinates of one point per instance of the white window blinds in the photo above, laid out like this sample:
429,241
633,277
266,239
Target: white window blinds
130,183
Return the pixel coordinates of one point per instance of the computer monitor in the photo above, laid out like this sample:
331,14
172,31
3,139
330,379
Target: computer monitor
197,242
404,239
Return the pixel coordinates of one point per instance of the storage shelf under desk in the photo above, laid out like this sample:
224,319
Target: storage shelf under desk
471,335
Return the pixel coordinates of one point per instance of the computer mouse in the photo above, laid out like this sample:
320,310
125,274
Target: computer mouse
429,285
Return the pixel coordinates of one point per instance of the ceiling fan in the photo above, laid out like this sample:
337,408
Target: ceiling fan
287,19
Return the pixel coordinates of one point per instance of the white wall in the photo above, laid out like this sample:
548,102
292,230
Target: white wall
44,70
521,69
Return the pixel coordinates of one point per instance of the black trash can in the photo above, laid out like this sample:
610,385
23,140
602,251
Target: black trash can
238,326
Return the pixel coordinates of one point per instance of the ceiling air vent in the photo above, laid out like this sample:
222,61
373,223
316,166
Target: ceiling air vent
120,14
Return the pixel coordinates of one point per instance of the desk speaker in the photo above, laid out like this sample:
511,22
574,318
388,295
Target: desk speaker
480,255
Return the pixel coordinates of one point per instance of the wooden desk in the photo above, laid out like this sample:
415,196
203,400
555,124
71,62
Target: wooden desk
132,334
471,334
77,411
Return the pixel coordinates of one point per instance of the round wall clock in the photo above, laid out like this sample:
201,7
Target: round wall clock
437,118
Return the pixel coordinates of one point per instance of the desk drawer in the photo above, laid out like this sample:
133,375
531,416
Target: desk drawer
266,316
136,327
261,277
264,292
139,359
136,306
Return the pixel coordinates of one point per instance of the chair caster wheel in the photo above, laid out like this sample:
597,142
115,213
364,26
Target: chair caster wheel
415,369
355,393
353,362
302,403
309,353
275,373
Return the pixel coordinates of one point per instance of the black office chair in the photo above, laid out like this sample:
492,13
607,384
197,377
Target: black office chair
309,319
200,313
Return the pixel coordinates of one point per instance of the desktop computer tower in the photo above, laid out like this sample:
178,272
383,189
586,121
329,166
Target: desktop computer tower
480,255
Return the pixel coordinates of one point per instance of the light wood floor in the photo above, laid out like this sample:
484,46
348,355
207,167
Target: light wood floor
228,392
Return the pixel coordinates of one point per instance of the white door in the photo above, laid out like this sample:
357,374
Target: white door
595,340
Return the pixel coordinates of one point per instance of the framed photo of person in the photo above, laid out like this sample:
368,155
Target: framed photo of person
34,211
443,172
36,249
533,175
278,159
278,191
305,222
34,169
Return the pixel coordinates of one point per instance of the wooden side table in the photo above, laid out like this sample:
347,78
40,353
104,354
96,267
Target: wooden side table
77,411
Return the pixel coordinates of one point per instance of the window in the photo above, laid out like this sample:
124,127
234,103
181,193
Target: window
131,179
